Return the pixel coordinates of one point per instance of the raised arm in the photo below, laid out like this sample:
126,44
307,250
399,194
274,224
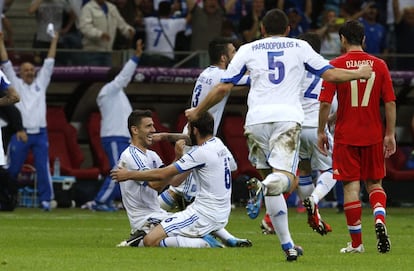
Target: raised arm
34,6
3,52
53,45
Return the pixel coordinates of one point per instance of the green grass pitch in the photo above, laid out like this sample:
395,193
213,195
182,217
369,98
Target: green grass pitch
74,239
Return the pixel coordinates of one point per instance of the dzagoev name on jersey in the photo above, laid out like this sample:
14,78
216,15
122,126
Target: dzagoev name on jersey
274,45
357,63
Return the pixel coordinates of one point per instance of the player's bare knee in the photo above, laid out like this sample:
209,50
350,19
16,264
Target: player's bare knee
150,241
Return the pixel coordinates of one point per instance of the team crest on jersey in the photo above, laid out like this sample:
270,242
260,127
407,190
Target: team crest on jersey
37,88
168,220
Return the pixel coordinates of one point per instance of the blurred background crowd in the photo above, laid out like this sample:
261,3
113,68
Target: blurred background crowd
104,27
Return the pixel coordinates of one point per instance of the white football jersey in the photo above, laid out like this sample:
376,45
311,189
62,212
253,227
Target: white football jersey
206,81
211,165
155,34
140,200
311,88
277,66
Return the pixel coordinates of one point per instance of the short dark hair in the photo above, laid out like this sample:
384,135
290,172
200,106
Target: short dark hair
353,31
164,8
275,22
204,124
218,47
134,119
313,39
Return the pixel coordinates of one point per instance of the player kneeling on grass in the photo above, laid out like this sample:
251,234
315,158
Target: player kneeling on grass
210,164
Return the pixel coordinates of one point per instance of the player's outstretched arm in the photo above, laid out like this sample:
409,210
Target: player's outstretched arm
171,137
338,75
153,175
212,98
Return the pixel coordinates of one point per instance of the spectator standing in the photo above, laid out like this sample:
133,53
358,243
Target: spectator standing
330,44
99,21
360,144
250,24
72,39
274,116
375,33
206,23
114,132
404,30
304,6
128,11
32,90
298,23
160,33
50,12
392,7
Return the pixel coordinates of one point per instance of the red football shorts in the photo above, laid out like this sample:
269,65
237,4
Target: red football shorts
353,163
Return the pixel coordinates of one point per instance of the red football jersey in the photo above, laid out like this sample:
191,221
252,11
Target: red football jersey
359,121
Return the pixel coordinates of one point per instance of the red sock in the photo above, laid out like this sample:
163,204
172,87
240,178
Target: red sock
378,201
268,220
353,213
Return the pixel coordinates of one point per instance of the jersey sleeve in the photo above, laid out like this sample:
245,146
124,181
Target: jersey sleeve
328,91
314,62
388,94
237,67
192,159
4,82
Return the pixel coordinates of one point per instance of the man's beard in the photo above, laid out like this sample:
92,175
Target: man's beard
192,138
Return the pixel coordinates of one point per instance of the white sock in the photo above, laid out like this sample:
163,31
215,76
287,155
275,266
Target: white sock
324,184
305,187
181,241
224,235
277,209
276,183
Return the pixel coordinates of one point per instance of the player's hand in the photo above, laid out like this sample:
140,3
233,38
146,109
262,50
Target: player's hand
119,174
389,146
323,144
365,71
105,37
179,148
21,136
191,114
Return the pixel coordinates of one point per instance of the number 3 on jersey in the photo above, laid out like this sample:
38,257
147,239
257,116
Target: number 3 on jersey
277,66
367,91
